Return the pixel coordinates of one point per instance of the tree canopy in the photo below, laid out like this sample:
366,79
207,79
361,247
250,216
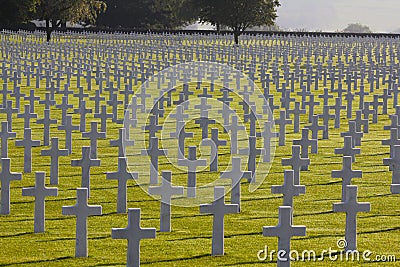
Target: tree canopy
357,28
57,12
238,15
15,12
145,14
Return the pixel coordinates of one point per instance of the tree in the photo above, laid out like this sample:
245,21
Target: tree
58,12
145,14
357,28
15,12
238,15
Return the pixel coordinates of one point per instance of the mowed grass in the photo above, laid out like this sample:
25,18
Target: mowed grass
189,244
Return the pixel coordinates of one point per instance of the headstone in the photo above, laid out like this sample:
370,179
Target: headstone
204,122
252,153
103,116
284,231
356,136
154,152
6,176
218,209
5,134
315,127
27,116
289,189
326,117
182,135
94,135
54,153
214,143
82,211
27,143
64,106
234,128
82,110
282,122
122,143
152,127
192,163
394,163
122,176
347,174
348,149
393,141
267,136
297,162
133,233
46,121
68,127
351,207
297,111
40,192
236,175
85,163
338,107
304,143
166,191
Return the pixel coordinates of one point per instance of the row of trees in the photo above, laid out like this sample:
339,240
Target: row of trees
237,15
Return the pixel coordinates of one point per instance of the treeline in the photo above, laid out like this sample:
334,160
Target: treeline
235,15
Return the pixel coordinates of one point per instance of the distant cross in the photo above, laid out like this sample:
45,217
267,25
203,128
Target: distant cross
356,136
315,127
152,127
267,136
103,116
394,163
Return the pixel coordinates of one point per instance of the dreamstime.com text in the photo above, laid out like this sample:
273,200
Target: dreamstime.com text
330,254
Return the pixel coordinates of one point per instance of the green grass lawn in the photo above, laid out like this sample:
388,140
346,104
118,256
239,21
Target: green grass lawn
189,243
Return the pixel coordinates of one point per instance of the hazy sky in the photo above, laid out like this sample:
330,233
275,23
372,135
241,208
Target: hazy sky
331,15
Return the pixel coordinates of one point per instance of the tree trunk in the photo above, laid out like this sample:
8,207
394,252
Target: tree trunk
218,28
236,34
48,30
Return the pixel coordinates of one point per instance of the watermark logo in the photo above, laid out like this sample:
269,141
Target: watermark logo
331,254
